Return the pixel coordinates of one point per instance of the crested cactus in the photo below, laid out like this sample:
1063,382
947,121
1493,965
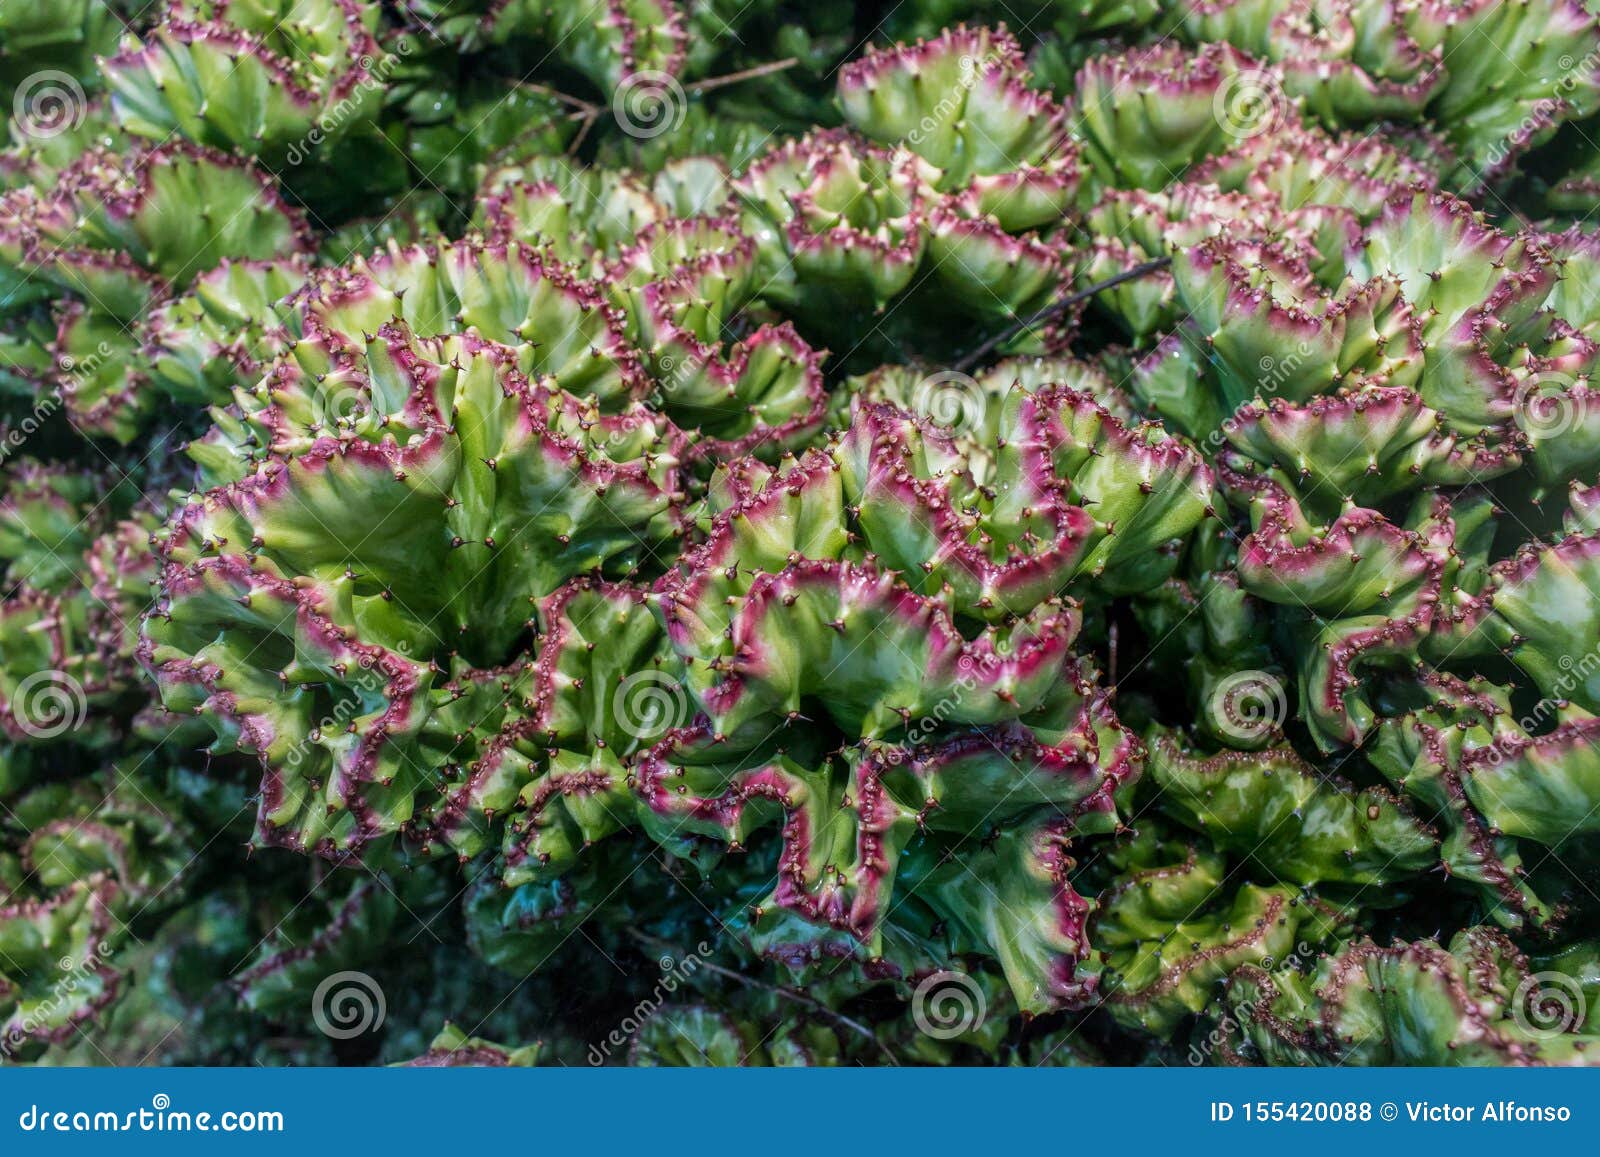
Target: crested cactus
258,79
452,1048
509,486
1474,1002
1147,115
1170,926
902,542
82,862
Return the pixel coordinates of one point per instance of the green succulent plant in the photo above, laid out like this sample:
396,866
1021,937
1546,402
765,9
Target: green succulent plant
890,538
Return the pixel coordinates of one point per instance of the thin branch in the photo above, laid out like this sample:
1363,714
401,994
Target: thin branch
583,107
777,990
768,69
588,123
1050,311
587,113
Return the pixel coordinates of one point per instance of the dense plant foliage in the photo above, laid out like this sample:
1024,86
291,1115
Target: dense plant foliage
677,532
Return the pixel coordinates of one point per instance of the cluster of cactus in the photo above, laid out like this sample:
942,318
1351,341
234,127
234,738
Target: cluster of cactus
893,541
